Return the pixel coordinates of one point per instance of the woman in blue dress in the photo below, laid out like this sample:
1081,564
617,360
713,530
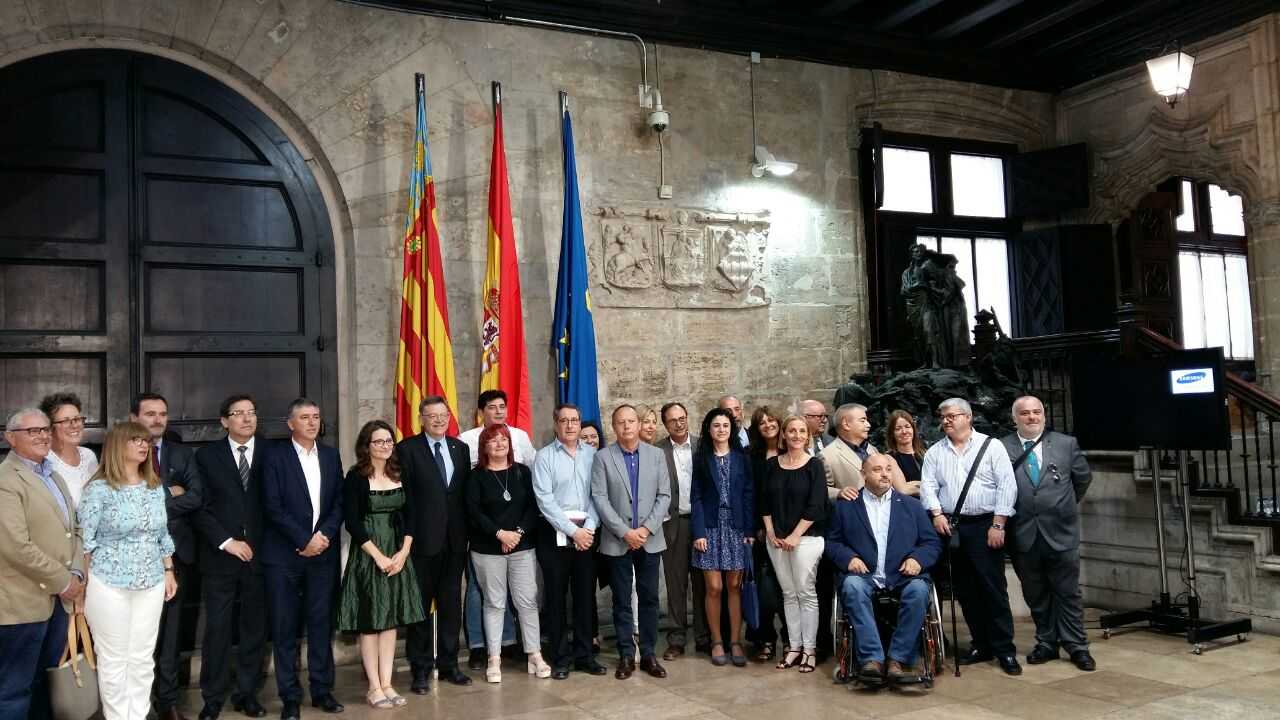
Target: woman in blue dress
722,522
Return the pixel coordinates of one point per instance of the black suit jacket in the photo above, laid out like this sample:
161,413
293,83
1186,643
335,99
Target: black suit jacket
178,467
437,516
286,506
230,510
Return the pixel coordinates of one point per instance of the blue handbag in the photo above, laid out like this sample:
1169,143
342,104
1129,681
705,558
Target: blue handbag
750,594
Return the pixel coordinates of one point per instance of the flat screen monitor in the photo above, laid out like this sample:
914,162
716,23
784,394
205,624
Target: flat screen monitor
1191,381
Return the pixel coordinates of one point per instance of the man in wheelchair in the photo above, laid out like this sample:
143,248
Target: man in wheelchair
882,542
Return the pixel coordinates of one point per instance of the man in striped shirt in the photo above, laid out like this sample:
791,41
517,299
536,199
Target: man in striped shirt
978,565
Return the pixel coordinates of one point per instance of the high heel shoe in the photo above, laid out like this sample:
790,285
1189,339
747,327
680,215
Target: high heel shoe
396,698
378,701
790,659
538,666
493,672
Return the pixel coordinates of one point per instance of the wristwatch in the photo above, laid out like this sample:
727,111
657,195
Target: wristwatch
997,526
520,531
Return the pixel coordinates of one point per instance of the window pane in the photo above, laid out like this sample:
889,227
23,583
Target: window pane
1226,211
1192,300
908,181
977,185
962,248
1241,313
993,280
1187,218
929,241
1213,279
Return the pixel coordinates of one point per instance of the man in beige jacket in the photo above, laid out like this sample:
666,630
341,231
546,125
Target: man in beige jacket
41,566
843,458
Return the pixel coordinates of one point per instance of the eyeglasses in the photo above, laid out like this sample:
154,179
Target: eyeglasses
569,421
140,440
72,421
436,416
951,417
388,442
678,420
33,431
243,414
817,416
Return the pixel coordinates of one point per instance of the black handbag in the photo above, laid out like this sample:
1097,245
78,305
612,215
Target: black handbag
750,594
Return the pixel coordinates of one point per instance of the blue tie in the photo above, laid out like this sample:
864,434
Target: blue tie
444,475
1033,465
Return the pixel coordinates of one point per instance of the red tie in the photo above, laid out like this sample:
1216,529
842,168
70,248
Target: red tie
155,460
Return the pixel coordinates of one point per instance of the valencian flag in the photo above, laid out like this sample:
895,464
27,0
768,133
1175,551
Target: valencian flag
573,332
502,363
424,365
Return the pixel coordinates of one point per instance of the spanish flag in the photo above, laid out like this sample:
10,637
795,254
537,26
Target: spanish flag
502,364
424,364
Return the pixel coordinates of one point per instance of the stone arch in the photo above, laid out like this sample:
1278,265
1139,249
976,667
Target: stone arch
275,108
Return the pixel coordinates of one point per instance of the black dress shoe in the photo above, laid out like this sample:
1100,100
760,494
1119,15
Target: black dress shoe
250,707
1084,660
290,712
626,666
1042,654
591,667
975,656
1009,664
421,683
327,703
455,676
560,673
170,714
650,665
210,711
477,658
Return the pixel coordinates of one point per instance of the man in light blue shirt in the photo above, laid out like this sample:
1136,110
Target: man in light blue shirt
562,486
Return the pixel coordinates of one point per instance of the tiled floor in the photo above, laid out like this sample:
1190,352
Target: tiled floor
1140,675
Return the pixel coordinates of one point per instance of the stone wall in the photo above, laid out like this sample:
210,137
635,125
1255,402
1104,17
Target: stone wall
1226,131
339,80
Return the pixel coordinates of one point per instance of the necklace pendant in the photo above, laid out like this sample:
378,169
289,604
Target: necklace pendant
506,495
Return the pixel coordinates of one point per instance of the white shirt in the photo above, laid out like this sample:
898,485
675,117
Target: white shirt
682,453
248,457
75,477
878,509
945,468
525,453
1038,451
310,460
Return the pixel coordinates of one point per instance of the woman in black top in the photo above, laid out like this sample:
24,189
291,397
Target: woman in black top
502,509
762,437
793,505
902,443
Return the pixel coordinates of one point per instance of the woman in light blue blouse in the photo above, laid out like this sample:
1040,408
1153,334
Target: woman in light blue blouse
127,553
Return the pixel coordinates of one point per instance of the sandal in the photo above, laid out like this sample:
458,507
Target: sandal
790,660
718,658
396,698
764,653
381,703
737,656
808,663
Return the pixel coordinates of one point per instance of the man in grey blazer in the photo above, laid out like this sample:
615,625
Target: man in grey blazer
631,489
1053,477
678,447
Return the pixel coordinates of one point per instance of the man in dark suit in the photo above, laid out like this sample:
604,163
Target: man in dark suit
882,540
631,491
176,466
1053,477
302,516
678,447
229,526
435,469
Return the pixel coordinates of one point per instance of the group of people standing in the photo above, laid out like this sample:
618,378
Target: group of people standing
261,521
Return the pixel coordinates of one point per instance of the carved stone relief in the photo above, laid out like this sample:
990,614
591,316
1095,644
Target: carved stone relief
647,257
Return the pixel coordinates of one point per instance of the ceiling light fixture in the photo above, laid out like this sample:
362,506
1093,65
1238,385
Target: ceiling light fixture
1171,74
763,161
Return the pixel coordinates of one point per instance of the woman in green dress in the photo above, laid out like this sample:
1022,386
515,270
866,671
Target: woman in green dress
379,590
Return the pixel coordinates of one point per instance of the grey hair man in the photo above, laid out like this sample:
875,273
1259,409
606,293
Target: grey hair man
843,459
1052,476
979,524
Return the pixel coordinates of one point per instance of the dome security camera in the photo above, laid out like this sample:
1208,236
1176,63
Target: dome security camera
659,120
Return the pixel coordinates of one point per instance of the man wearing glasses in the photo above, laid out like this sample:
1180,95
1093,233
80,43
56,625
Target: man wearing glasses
562,486
815,417
42,564
977,565
678,448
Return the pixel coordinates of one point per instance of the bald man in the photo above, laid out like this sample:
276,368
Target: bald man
815,418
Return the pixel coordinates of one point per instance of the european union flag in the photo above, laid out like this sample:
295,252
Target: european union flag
573,333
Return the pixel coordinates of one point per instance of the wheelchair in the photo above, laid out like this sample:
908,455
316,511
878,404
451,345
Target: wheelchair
929,659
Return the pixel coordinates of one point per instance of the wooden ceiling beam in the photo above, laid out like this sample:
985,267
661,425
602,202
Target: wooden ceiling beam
974,18
1041,24
905,14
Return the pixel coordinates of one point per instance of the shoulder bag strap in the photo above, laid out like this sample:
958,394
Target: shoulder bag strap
1023,457
968,481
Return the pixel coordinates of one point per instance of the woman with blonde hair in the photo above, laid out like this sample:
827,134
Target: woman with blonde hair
128,553
648,423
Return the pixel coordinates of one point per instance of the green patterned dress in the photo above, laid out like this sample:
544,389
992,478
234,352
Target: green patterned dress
372,602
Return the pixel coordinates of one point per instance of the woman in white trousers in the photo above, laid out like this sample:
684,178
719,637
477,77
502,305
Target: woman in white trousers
792,498
127,552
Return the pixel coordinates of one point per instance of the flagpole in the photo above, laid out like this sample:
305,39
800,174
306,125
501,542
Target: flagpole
564,104
497,95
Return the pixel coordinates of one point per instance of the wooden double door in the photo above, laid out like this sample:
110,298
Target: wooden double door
158,232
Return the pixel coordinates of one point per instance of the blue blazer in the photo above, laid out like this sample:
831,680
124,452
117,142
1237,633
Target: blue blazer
911,535
704,494
286,505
